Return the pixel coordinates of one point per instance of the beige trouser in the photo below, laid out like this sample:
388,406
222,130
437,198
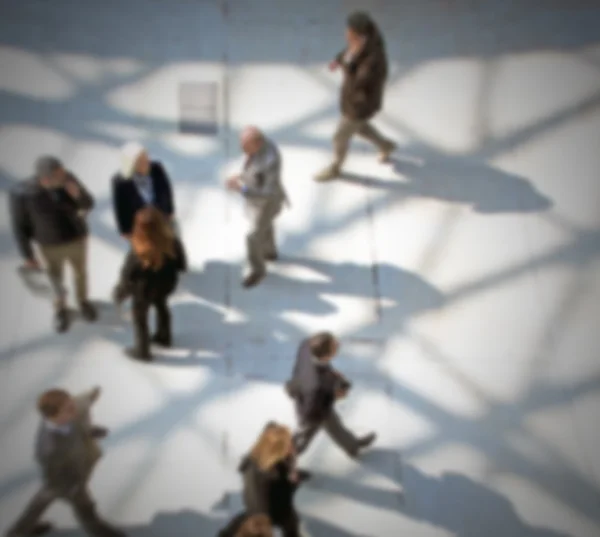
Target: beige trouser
346,129
75,253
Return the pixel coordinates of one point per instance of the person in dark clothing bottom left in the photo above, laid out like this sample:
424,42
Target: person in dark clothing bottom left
271,479
150,275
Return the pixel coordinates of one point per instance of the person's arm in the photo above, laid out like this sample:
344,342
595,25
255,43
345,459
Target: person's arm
181,257
120,207
257,497
266,175
169,203
78,193
21,224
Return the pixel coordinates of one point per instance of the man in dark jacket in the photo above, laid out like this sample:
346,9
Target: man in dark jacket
364,64
67,452
315,386
140,182
50,210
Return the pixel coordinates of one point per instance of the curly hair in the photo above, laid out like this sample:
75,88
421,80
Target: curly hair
152,238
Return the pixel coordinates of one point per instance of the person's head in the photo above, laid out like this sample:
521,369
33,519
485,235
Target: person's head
50,172
359,27
152,237
258,525
273,446
57,406
251,140
324,346
134,160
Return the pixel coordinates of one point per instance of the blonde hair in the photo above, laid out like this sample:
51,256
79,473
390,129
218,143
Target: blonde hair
273,446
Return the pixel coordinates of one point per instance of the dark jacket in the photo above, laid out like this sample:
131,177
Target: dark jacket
271,493
127,200
48,217
313,386
67,460
150,285
364,79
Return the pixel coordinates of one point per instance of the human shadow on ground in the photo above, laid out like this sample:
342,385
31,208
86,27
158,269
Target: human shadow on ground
463,180
452,501
185,523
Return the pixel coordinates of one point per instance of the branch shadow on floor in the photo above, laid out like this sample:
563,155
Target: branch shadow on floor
485,188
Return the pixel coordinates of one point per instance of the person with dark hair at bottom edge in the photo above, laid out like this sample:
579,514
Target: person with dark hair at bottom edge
314,387
50,210
260,184
67,451
365,69
244,525
270,481
150,275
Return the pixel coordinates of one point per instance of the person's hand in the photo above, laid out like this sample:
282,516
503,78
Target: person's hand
341,393
72,189
31,264
234,183
96,392
126,236
334,65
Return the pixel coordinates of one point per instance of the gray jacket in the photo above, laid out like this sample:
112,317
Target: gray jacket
262,177
68,459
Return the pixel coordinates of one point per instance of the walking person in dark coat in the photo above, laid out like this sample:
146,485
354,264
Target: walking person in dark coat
270,481
315,387
365,69
67,451
141,182
50,210
150,275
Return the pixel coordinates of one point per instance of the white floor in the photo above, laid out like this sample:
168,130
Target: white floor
466,291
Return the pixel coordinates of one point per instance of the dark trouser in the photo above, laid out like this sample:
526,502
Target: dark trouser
290,527
334,427
140,322
82,505
260,241
74,253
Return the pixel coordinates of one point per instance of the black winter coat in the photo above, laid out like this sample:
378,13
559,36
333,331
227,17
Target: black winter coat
127,201
150,285
271,492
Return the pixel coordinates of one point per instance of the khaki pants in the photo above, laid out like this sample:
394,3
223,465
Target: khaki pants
346,129
260,241
75,253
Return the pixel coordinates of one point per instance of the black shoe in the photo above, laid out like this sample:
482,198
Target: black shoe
41,528
253,279
61,320
303,475
161,340
99,432
88,312
137,355
272,256
366,441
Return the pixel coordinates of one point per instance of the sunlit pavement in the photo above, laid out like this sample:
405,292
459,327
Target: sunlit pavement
463,278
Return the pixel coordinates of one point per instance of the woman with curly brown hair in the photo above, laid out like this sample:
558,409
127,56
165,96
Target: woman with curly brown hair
270,481
150,274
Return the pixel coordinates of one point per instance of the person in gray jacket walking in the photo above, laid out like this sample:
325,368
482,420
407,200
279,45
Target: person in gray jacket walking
260,184
67,452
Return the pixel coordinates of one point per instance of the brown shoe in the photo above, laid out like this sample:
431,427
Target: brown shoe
329,173
384,155
253,279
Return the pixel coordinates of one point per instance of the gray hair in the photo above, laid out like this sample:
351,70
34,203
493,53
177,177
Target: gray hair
47,165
